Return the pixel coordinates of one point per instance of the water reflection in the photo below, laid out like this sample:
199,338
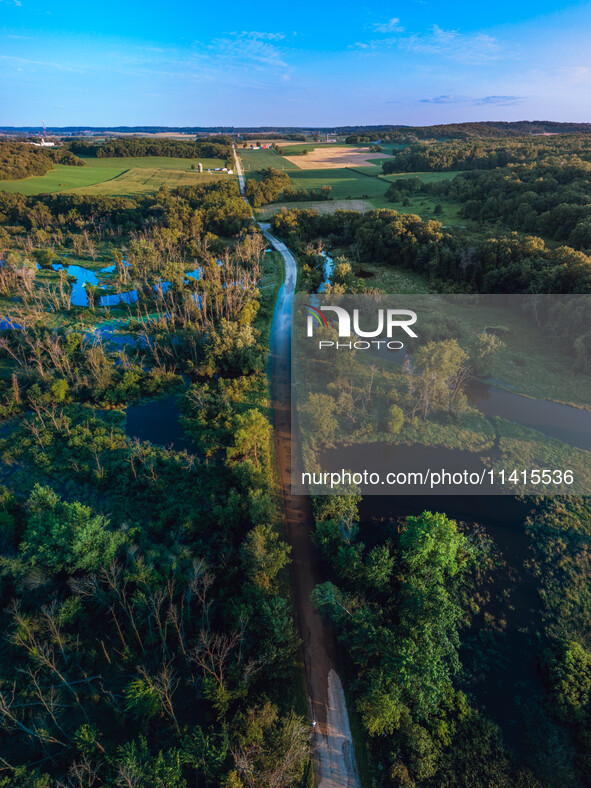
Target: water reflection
158,422
328,269
82,276
563,422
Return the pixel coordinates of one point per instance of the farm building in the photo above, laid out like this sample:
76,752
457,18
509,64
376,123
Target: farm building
42,144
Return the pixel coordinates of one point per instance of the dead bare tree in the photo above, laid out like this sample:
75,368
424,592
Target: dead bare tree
164,685
213,652
83,773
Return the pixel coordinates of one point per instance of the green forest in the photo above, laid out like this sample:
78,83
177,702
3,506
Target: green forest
148,632
18,160
218,147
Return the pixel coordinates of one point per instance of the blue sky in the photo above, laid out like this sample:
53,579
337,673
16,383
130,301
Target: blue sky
296,63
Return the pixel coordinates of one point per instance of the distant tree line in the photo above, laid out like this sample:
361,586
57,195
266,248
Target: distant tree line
485,154
356,133
143,146
459,131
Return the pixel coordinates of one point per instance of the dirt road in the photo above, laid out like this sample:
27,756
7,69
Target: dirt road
334,756
239,171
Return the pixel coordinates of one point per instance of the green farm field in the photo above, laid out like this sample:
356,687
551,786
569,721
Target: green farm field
253,160
345,183
363,189
369,185
100,171
145,180
392,279
322,206
359,182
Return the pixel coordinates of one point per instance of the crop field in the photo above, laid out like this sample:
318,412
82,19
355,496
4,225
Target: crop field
320,157
100,171
345,183
138,180
392,279
323,206
294,148
426,177
253,160
335,157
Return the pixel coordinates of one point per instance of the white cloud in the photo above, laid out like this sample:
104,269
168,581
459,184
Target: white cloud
485,101
391,26
375,45
467,48
250,48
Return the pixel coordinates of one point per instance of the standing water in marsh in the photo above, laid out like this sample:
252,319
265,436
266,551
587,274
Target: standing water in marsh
565,423
85,276
157,421
328,269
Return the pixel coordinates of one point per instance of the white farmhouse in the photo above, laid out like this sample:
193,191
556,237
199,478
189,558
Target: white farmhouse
43,144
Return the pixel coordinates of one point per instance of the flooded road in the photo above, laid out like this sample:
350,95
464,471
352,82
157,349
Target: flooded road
335,764
327,271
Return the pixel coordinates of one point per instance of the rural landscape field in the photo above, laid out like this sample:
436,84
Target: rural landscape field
114,176
260,267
